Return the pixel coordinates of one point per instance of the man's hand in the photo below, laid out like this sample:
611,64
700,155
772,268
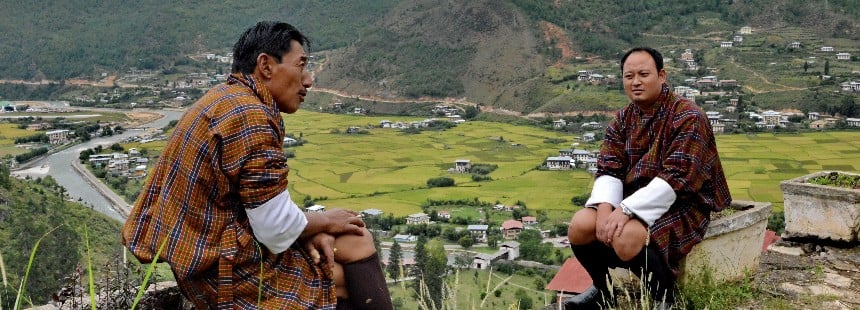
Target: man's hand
321,249
342,221
614,225
603,212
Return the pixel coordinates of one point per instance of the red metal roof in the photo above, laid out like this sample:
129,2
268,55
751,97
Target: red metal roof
571,278
510,224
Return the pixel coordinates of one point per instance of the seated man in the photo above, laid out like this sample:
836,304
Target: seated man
216,206
658,179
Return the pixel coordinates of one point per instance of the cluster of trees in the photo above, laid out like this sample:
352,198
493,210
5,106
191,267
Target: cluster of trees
440,182
39,138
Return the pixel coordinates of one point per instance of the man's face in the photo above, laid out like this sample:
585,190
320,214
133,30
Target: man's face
642,82
289,81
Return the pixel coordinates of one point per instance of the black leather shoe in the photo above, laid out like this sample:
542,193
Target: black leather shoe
591,298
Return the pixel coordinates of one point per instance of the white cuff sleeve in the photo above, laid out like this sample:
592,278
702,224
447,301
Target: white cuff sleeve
277,223
606,189
650,202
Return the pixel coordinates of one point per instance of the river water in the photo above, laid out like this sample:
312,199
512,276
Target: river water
59,166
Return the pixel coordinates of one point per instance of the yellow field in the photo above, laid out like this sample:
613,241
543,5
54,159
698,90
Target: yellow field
8,134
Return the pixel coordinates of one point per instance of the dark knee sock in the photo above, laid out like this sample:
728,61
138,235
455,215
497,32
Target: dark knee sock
657,276
343,304
595,259
365,284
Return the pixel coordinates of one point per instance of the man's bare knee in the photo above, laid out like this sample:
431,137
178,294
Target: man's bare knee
352,248
631,242
582,227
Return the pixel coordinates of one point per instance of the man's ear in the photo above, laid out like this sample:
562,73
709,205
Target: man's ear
662,75
264,65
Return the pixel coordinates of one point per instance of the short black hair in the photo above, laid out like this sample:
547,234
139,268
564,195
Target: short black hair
658,59
273,38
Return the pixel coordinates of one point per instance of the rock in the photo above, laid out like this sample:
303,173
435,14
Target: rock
792,289
793,251
837,280
835,305
824,290
841,265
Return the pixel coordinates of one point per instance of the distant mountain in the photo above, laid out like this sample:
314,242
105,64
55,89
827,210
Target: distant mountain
513,54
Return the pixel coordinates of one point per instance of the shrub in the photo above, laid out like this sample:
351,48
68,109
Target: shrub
440,182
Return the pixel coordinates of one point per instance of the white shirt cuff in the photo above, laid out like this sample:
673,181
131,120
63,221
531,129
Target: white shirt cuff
652,201
277,223
606,189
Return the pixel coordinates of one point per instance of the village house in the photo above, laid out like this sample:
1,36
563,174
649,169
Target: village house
139,171
290,141
316,209
851,86
691,65
728,83
745,30
718,128
385,123
479,232
559,124
508,250
39,126
853,122
713,117
511,229
726,44
372,212
794,45
738,39
588,137
358,110
443,214
512,247
687,55
843,56
418,218
100,160
118,167
733,102
529,220
400,238
771,117
58,136
827,49
559,163
591,125
462,165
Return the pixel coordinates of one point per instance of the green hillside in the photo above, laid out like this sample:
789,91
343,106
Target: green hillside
32,209
514,54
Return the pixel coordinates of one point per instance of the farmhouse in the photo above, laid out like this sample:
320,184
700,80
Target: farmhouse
462,165
726,44
745,30
316,208
479,232
843,56
511,228
559,163
418,218
58,136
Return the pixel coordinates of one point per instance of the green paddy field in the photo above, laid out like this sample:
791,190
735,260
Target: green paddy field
388,169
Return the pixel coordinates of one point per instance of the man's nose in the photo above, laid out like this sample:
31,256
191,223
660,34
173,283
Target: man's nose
308,79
